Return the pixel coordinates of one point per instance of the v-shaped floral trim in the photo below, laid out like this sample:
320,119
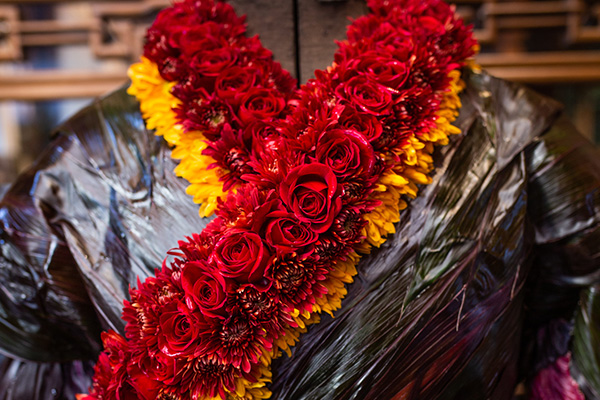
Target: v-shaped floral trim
302,182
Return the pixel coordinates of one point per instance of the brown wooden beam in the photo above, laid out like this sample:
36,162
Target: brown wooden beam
548,74
521,7
565,59
55,39
48,85
47,26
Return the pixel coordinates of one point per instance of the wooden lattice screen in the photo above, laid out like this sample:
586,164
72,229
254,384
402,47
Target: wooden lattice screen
529,41
111,29
533,41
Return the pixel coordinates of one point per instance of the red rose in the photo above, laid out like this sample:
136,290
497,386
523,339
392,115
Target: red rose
312,192
260,130
191,40
242,256
286,234
363,123
366,94
234,82
262,104
178,329
146,387
346,152
204,287
211,63
384,70
161,367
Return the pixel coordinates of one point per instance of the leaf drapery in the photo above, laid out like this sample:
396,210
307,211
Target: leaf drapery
496,248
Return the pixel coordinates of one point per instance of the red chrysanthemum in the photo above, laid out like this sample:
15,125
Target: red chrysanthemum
241,342
297,281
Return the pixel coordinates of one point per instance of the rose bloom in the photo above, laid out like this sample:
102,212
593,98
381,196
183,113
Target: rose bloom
366,94
366,124
205,288
178,329
242,256
261,104
234,82
287,235
312,192
383,70
211,63
191,40
346,152
162,368
145,387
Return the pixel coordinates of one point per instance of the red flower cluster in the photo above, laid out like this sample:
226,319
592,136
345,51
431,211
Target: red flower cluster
304,167
230,88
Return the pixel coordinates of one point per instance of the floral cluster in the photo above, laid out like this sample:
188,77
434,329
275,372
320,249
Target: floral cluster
307,181
221,92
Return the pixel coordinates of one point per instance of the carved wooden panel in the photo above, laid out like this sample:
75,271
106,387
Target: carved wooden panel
537,41
529,41
110,29
555,43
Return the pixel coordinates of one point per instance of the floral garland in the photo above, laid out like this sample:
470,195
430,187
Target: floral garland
302,182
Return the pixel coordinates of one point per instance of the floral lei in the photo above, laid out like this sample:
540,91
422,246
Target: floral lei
302,182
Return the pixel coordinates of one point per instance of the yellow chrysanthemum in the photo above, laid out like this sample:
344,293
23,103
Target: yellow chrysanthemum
247,390
157,105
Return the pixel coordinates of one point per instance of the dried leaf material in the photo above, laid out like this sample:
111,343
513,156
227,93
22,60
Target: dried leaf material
437,316
24,380
565,183
45,312
100,208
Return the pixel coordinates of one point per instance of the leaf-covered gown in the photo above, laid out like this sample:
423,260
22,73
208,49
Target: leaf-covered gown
490,278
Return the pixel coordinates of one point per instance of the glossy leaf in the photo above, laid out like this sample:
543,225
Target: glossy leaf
20,380
99,209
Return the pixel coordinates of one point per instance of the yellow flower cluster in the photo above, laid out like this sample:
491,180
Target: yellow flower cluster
157,105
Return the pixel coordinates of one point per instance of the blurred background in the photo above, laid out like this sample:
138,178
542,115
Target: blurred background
56,55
